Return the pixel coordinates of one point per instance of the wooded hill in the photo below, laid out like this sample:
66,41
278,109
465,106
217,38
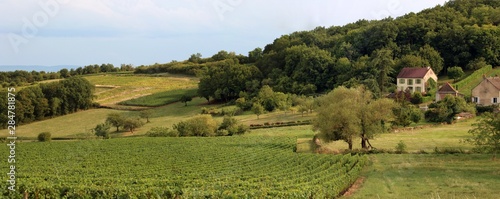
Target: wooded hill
460,33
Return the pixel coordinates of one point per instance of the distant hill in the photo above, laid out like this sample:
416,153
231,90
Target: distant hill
5,68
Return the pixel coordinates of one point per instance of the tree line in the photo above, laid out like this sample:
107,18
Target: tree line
49,100
94,69
25,78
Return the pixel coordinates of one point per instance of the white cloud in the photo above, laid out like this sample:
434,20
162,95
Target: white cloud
148,31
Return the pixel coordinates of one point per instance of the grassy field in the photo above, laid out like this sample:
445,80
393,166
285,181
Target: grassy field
430,176
161,98
114,88
80,124
426,139
73,125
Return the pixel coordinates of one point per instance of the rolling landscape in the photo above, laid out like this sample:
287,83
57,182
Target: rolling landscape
322,113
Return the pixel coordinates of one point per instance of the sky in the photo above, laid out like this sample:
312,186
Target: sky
143,32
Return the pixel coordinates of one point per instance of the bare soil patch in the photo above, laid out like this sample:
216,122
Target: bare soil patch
354,187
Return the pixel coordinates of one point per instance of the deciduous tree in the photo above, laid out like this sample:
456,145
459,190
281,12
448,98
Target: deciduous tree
116,120
486,134
132,123
455,73
349,113
258,109
185,99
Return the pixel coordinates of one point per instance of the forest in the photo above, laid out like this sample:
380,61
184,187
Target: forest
49,100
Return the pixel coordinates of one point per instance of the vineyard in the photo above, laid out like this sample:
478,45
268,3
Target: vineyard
466,85
223,167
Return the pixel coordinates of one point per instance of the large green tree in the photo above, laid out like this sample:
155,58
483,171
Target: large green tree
382,61
349,113
227,80
455,73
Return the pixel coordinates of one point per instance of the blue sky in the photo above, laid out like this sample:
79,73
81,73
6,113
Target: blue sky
83,32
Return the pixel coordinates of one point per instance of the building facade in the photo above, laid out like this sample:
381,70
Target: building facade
415,79
487,92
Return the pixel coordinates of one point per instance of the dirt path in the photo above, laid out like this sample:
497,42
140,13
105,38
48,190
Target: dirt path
354,187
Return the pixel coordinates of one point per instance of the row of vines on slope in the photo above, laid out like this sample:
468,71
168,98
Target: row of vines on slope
238,167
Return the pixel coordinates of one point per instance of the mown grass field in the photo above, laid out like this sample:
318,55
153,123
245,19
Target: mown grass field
161,98
76,125
115,88
410,176
426,139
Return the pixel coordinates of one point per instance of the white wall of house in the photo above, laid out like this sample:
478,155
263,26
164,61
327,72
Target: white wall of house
416,84
413,84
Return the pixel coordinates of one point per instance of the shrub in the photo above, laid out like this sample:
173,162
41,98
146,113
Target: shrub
201,125
401,147
102,130
44,137
230,126
417,98
484,109
477,64
243,104
455,73
162,132
132,123
446,109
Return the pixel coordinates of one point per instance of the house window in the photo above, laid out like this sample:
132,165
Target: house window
418,88
495,100
410,88
475,99
410,82
418,81
401,81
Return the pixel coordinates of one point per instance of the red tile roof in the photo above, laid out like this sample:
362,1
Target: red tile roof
447,88
413,72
